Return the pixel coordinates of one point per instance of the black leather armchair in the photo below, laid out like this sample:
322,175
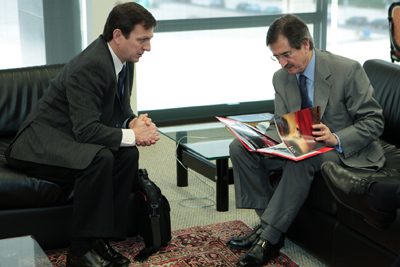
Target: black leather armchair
29,205
335,234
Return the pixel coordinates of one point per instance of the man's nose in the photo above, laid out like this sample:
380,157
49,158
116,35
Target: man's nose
282,61
147,47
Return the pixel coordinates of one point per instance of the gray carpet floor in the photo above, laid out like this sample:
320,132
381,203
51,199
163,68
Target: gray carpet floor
194,205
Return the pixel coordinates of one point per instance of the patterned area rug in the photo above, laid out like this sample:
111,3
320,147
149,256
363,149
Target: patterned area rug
194,247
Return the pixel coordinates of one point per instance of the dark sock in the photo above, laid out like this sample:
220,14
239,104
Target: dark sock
384,197
80,246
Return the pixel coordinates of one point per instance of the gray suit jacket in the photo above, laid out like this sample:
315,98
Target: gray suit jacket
348,107
79,114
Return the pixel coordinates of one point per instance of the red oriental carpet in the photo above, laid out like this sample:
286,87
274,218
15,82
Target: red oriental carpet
194,247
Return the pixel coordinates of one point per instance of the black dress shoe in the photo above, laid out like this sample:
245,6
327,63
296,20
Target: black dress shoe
260,253
90,259
104,249
245,242
351,191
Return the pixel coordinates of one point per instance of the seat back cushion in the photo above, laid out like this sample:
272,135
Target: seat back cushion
385,78
20,90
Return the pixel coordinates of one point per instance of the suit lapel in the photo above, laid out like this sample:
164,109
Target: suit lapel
322,84
293,93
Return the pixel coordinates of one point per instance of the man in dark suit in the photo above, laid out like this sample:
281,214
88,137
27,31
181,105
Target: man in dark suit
351,122
83,131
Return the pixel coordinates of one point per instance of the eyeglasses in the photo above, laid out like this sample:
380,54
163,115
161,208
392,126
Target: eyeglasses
283,56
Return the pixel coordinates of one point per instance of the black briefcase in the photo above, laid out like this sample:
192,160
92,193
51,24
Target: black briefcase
154,222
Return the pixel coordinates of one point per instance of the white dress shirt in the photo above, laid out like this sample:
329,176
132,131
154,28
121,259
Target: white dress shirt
128,135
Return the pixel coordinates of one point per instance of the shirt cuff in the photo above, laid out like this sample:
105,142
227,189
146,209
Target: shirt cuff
128,137
127,121
339,146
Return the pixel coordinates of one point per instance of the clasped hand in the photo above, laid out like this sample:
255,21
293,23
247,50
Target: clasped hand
146,132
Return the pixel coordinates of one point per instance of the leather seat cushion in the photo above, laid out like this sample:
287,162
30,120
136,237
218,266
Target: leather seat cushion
19,190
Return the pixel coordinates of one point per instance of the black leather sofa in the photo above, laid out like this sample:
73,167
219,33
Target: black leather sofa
335,234
28,205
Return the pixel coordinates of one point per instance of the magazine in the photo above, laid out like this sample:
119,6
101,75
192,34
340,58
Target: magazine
294,129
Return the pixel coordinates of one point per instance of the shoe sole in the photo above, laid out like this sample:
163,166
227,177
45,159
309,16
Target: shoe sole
239,247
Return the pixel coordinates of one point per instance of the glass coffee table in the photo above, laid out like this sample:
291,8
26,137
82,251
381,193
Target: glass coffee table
198,146
22,251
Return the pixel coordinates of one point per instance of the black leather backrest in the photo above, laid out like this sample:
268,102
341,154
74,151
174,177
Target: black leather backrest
20,90
385,78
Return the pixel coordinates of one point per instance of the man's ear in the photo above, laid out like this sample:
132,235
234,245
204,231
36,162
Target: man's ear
117,35
306,44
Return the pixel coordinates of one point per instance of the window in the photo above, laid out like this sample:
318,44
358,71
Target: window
206,68
21,28
213,54
359,29
208,56
38,32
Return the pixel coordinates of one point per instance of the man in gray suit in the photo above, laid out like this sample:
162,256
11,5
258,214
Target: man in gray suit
351,122
83,131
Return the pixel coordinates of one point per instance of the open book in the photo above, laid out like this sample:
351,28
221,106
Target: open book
294,129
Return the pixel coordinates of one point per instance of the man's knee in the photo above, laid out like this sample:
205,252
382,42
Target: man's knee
304,170
104,158
235,148
128,154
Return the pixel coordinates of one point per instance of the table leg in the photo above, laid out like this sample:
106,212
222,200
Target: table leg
222,185
181,172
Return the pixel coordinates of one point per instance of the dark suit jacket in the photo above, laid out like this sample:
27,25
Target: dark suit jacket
348,107
79,114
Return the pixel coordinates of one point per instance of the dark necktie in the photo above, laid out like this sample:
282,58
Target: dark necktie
121,79
303,91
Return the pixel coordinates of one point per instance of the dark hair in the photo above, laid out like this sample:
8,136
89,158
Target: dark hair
125,17
293,28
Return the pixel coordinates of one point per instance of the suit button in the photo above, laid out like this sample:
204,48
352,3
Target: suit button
117,125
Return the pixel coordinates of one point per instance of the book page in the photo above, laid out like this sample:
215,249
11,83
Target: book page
251,137
295,130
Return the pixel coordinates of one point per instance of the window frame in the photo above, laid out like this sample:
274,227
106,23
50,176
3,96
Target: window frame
174,116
